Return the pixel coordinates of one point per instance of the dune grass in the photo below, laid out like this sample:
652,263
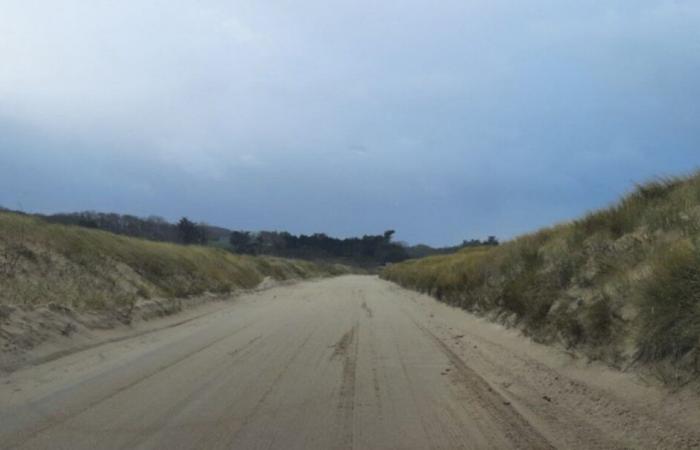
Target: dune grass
85,269
621,284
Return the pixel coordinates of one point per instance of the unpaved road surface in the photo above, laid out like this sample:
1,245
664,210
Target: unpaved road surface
351,362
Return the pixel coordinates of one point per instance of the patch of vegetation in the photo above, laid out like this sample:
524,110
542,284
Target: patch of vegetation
153,228
367,251
88,269
627,275
670,307
422,250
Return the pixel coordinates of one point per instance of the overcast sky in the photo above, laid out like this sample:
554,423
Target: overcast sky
445,120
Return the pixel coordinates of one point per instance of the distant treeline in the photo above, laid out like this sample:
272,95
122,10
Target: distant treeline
153,227
368,250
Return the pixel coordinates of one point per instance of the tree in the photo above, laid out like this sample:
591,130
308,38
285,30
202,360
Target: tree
240,241
190,233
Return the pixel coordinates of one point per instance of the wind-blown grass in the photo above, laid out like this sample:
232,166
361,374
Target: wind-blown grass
85,269
620,284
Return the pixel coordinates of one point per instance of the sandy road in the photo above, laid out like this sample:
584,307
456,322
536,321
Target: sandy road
351,362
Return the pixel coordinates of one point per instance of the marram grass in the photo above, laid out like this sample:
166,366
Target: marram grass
42,263
621,284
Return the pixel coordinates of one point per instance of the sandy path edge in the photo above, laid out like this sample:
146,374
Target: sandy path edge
349,362
46,340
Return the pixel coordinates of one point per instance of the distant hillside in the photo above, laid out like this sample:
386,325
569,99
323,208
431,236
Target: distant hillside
621,284
422,250
153,228
366,251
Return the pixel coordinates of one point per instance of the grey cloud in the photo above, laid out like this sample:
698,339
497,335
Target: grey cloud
445,121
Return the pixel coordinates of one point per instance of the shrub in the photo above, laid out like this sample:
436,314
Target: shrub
599,320
670,305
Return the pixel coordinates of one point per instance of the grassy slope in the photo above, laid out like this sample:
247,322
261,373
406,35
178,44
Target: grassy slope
91,270
621,284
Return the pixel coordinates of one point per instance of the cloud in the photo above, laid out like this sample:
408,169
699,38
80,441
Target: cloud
445,121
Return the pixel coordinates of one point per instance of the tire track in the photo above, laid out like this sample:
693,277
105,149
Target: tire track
400,374
588,401
238,355
270,389
51,420
513,425
347,348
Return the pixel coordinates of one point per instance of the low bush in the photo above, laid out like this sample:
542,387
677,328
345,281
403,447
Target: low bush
670,307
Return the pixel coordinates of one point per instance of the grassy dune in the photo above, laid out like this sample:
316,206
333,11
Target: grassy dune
621,284
91,270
